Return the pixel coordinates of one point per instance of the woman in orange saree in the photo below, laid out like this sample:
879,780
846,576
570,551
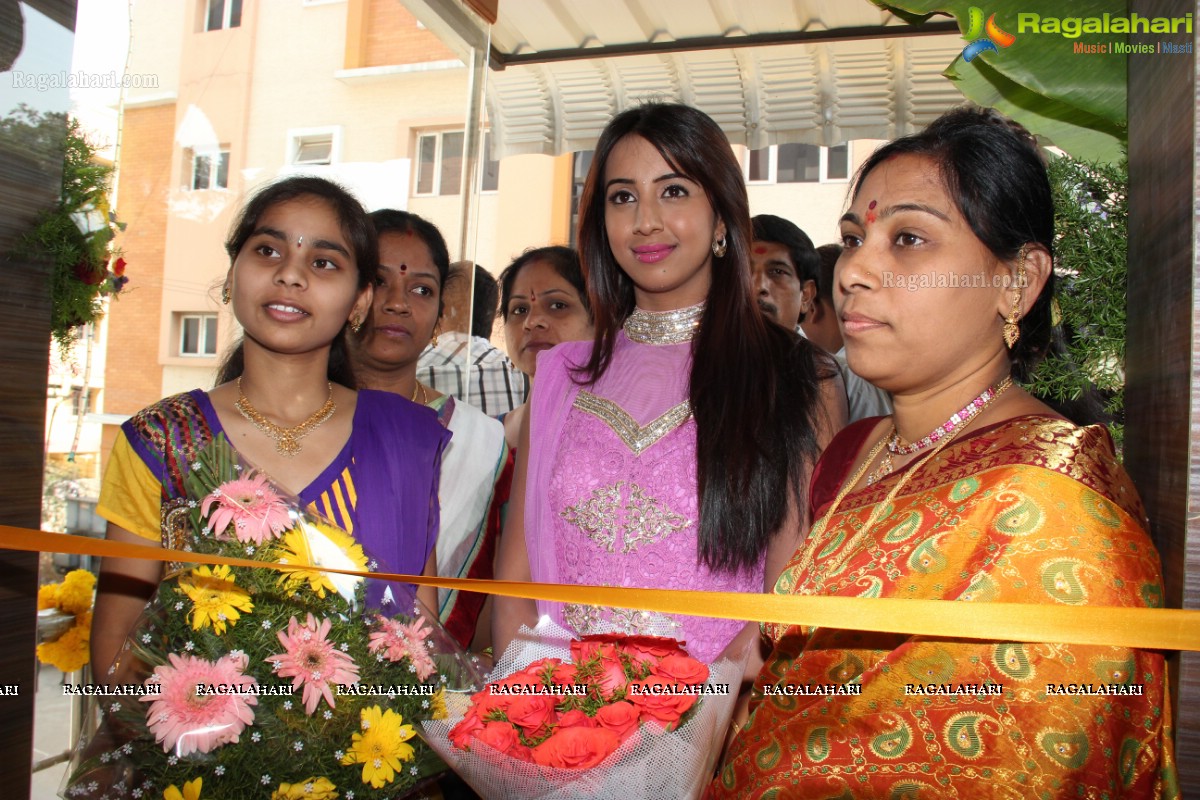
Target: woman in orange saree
944,295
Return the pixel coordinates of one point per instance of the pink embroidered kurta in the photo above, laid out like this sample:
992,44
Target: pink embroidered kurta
611,494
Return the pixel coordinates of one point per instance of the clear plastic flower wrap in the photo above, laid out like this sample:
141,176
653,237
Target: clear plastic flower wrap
241,682
609,715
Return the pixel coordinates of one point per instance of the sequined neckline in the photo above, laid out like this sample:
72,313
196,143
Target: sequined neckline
664,327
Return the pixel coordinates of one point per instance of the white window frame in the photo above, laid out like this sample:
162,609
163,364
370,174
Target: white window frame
226,15
773,167
296,137
437,163
214,161
201,335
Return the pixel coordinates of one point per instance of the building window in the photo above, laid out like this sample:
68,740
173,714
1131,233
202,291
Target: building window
798,163
222,14
210,170
440,163
83,401
314,146
198,335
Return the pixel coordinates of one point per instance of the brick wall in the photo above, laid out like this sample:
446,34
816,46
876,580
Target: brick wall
134,375
392,37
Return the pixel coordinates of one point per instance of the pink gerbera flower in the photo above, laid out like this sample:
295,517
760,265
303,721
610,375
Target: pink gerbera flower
313,662
186,720
398,641
251,505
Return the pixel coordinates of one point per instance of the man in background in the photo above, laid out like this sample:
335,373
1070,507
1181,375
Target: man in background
794,283
821,328
461,361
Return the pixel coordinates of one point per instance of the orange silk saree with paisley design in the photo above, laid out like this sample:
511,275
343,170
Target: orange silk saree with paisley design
1032,510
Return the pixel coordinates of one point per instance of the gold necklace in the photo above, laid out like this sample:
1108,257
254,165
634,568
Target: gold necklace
424,396
960,420
287,440
828,568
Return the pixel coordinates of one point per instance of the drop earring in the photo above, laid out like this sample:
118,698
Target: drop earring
356,324
719,246
1012,330
226,295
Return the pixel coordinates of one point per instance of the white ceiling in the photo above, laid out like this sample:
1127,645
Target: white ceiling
769,71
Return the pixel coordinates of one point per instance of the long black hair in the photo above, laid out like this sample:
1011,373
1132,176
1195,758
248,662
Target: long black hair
754,387
994,173
356,227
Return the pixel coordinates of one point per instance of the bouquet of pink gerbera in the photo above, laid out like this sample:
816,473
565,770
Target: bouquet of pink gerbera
603,716
264,682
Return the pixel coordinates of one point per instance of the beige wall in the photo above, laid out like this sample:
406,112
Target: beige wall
284,69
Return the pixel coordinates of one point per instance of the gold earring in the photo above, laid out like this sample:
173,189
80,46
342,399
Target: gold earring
436,328
226,295
356,324
719,246
1012,331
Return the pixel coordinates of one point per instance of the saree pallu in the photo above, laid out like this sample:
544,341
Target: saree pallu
1032,510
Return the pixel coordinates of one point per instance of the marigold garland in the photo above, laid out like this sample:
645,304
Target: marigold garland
71,650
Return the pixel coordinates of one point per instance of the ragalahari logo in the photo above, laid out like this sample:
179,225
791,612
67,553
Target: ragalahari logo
981,43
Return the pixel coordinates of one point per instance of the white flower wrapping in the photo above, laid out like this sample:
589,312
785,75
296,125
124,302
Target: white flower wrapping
653,763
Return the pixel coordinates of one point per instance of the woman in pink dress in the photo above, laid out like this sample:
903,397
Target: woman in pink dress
671,451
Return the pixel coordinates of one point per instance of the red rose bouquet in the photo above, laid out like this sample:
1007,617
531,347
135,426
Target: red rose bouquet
606,716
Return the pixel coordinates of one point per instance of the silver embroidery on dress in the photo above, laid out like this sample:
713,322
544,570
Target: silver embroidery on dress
646,520
587,619
635,437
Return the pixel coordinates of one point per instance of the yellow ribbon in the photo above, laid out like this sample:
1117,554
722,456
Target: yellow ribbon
1148,628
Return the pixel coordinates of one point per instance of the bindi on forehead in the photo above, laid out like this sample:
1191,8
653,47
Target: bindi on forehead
871,217
760,249
403,268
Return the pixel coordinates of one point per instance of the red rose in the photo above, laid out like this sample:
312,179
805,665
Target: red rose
588,649
655,700
610,675
576,719
682,669
648,649
540,667
532,712
576,748
564,675
462,733
499,735
521,752
621,718
484,702
118,267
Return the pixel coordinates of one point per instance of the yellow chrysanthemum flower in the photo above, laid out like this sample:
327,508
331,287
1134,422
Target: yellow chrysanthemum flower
215,597
77,591
437,706
381,746
191,791
307,789
48,595
71,650
294,549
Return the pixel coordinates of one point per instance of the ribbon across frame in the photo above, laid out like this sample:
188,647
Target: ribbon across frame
1147,628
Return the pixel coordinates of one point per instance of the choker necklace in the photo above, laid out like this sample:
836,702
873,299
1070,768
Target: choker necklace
663,327
424,396
958,421
287,440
